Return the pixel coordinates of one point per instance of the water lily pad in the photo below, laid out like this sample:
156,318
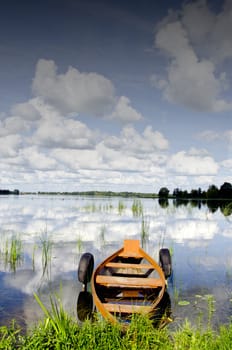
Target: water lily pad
183,302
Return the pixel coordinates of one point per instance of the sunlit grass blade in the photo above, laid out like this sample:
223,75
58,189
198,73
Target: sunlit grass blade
57,316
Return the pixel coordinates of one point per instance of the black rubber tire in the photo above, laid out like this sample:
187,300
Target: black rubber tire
165,262
84,306
85,268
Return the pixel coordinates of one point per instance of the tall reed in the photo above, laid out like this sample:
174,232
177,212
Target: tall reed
79,244
16,252
90,207
57,318
46,246
145,225
33,256
211,308
137,208
102,235
121,207
12,252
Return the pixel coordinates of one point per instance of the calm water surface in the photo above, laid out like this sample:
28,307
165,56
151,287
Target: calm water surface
54,231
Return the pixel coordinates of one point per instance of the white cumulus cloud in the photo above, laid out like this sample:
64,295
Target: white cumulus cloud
10,145
193,79
130,140
193,163
26,111
73,91
124,112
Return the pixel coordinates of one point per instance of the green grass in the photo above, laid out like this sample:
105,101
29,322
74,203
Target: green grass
58,330
101,335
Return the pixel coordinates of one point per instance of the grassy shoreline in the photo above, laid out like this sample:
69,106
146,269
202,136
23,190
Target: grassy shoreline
59,331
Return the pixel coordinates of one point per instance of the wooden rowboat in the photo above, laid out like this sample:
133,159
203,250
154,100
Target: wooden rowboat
127,282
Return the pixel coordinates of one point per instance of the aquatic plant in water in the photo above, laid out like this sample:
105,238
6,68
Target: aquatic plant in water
102,235
137,208
46,246
79,244
121,207
12,252
16,252
33,256
145,225
91,208
211,308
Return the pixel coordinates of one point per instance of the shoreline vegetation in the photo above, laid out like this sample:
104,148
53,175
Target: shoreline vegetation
212,193
58,330
214,197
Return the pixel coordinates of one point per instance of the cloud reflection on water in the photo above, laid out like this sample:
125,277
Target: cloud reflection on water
74,225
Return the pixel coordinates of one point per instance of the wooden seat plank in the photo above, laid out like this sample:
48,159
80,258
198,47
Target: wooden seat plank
132,282
131,254
127,308
119,265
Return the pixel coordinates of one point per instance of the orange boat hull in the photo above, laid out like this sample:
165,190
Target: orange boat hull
127,282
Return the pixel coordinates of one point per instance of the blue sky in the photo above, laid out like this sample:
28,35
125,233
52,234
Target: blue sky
115,95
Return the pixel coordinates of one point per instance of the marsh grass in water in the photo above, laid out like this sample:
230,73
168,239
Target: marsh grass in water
12,252
46,246
107,207
102,235
211,308
145,226
161,239
121,207
204,306
16,252
33,256
137,208
79,244
93,208
176,289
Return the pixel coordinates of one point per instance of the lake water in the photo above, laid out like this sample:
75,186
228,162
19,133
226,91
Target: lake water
53,231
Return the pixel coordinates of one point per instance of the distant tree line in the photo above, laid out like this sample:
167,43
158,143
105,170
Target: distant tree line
103,194
213,192
8,192
214,198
